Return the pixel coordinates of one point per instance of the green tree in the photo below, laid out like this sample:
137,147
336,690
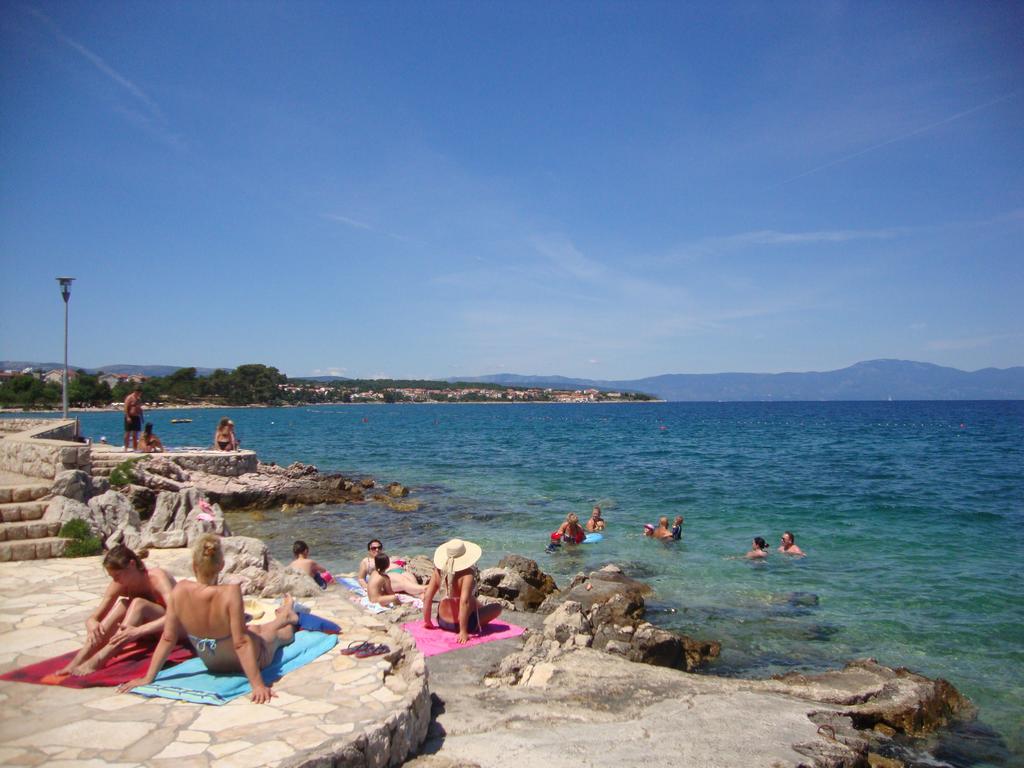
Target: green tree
87,389
27,391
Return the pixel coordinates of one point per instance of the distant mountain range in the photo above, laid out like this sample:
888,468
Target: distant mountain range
871,380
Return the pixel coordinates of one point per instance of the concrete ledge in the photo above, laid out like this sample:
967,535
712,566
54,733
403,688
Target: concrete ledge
44,449
223,463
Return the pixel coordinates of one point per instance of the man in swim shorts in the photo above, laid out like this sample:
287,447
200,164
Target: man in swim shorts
133,417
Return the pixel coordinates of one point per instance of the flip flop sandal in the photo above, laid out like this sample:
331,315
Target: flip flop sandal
373,650
356,647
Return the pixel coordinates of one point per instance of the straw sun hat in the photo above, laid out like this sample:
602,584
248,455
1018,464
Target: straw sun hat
456,555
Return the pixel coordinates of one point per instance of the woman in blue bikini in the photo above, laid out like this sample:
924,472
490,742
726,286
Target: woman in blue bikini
214,619
454,574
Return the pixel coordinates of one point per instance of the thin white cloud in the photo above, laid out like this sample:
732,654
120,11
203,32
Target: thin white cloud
903,137
357,224
147,112
347,220
770,237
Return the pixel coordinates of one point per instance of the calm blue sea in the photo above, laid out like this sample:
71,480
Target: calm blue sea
911,514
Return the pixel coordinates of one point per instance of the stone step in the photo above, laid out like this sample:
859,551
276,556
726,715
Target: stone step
21,511
32,549
23,491
29,529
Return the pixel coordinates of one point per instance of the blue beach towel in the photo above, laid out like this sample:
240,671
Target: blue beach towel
190,681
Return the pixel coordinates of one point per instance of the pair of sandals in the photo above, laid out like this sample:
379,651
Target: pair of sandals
365,649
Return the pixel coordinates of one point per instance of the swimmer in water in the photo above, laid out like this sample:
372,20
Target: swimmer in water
662,531
789,546
758,549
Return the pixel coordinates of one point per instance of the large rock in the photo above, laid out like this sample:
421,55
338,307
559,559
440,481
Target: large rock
179,518
420,566
874,695
241,552
247,562
61,509
605,610
601,586
113,512
74,484
518,580
274,486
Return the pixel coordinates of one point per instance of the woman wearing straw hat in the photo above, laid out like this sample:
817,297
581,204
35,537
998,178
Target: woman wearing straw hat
454,574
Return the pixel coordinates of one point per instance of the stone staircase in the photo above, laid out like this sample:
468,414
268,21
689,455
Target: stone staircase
24,535
104,461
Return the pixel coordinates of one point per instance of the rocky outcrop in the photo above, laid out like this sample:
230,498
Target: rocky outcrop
876,697
247,562
610,626
518,580
605,610
834,720
269,486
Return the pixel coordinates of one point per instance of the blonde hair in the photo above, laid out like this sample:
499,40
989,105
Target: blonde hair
572,517
207,556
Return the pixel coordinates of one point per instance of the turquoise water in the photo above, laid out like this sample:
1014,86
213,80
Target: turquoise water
911,514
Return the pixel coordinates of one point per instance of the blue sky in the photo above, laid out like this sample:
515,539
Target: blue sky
608,190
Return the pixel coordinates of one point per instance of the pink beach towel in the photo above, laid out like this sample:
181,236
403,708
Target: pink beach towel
434,641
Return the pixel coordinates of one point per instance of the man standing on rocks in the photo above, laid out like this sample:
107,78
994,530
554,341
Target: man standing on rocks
133,417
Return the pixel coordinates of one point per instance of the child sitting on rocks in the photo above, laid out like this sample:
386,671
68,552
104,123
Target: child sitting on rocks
304,564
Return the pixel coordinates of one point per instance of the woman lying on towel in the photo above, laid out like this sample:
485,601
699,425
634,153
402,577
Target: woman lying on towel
213,618
456,577
132,608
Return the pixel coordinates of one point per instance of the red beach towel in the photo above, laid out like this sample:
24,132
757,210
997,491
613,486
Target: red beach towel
434,641
130,663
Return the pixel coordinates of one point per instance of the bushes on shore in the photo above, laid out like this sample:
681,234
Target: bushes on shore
83,543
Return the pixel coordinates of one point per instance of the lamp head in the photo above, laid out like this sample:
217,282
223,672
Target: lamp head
65,287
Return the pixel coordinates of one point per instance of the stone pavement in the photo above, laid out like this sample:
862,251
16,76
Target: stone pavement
337,710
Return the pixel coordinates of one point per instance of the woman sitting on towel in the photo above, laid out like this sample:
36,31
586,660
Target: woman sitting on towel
379,588
401,580
454,574
213,617
132,608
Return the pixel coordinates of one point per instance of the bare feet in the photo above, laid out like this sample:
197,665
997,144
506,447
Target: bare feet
287,611
86,667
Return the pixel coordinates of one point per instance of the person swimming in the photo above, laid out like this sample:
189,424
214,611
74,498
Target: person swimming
596,522
758,549
569,532
662,531
789,546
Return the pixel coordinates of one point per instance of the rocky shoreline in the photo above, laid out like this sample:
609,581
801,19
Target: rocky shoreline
588,645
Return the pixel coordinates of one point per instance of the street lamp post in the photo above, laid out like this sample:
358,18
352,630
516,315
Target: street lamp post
65,291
